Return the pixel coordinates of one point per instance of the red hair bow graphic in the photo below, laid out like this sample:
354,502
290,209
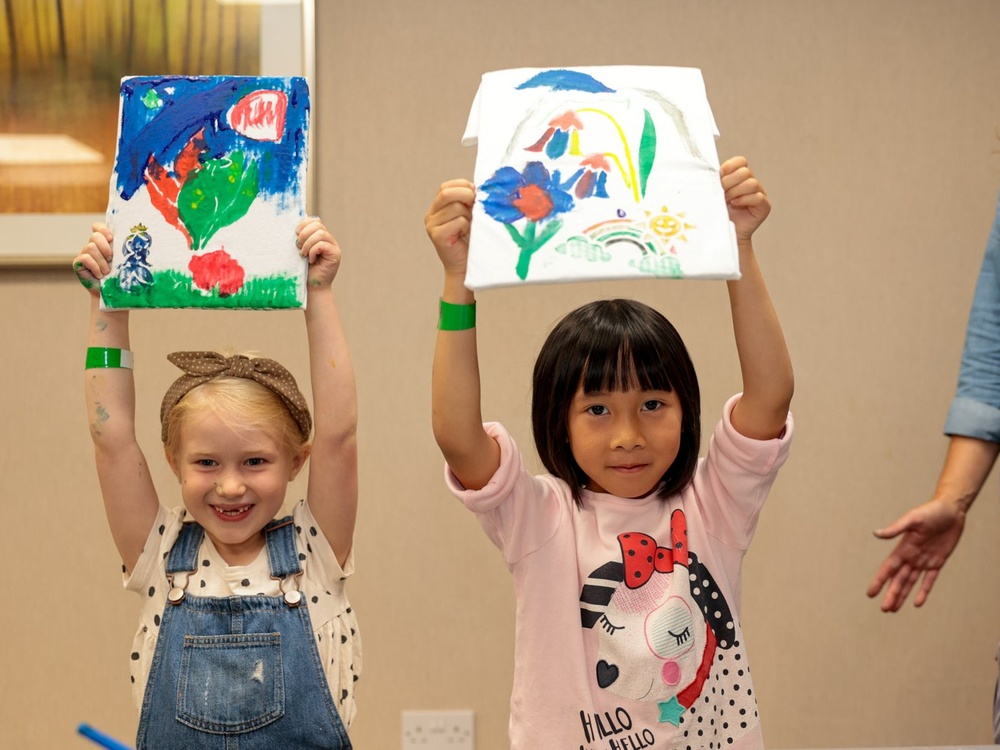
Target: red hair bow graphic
641,555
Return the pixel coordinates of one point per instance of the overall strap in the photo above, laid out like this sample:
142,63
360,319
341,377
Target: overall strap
184,554
282,554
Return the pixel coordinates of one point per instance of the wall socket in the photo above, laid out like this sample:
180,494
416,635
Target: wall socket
439,730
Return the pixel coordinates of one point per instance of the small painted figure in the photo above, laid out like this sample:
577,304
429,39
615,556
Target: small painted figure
135,271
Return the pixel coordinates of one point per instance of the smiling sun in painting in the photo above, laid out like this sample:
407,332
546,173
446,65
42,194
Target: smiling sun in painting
667,226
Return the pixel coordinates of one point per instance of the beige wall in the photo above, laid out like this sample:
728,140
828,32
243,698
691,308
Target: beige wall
873,126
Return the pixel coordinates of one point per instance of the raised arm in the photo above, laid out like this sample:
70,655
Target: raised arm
768,382
130,499
456,410
333,472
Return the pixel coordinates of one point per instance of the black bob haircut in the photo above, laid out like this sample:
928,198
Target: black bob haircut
612,345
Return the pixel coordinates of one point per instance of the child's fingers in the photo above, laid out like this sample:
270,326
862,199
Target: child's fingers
732,164
749,200
99,244
462,193
738,177
318,243
450,233
311,233
87,270
446,214
98,249
101,228
321,249
457,183
305,222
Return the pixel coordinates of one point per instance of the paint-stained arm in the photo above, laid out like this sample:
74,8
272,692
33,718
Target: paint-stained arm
333,471
456,411
766,367
130,499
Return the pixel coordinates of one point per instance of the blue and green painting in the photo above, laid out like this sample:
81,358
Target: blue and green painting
208,187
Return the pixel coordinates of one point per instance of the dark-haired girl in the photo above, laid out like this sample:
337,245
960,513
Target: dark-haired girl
626,556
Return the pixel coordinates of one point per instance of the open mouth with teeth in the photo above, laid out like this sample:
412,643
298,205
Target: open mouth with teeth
232,513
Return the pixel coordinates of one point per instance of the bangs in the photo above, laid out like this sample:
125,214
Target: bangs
617,363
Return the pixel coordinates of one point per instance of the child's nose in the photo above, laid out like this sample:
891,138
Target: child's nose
230,486
628,433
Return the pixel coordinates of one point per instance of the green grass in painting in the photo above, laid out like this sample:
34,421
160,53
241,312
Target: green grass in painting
173,289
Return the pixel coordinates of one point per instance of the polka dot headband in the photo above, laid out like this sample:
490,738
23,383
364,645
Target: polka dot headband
200,367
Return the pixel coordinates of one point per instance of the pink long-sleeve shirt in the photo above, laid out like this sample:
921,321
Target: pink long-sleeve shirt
627,628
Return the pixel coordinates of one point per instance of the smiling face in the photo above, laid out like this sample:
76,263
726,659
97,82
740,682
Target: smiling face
625,441
234,475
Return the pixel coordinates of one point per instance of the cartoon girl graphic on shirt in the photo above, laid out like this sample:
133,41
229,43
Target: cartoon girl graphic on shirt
654,641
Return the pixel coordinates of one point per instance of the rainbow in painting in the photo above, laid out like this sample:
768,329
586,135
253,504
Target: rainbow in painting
208,187
596,173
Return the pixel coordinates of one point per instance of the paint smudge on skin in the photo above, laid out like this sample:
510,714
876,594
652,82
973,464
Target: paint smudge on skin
102,413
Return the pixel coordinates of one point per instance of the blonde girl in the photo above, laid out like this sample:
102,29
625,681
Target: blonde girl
246,637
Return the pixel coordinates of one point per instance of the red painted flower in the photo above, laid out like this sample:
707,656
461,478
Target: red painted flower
217,269
559,136
594,178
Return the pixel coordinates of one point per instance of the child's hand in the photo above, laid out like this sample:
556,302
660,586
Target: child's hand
745,197
317,244
94,261
448,221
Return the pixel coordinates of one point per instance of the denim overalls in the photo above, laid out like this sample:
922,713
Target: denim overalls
238,672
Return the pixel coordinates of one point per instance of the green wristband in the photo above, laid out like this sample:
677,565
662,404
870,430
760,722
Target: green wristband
456,317
101,357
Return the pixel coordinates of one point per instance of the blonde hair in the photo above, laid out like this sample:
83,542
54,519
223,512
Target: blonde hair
229,397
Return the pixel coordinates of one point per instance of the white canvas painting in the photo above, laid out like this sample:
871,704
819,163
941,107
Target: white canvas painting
207,190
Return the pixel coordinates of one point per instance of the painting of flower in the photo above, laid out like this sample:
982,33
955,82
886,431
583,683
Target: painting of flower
533,195
581,169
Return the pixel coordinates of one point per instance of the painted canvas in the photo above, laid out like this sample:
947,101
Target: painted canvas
208,187
596,173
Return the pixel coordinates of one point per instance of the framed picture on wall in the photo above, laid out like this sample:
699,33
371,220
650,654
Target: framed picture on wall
61,65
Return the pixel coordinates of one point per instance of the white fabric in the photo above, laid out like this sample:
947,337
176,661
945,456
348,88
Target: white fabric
663,217
322,582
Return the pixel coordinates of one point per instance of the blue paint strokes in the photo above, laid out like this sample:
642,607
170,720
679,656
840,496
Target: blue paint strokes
200,103
566,80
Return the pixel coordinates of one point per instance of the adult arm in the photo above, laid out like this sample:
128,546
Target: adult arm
930,532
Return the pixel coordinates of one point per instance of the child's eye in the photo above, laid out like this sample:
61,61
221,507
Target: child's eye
256,461
652,405
597,410
205,462
608,626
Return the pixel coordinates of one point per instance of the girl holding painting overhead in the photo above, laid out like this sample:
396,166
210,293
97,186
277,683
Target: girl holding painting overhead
246,635
626,556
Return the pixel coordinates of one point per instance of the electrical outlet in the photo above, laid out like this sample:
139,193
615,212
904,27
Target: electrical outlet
439,730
